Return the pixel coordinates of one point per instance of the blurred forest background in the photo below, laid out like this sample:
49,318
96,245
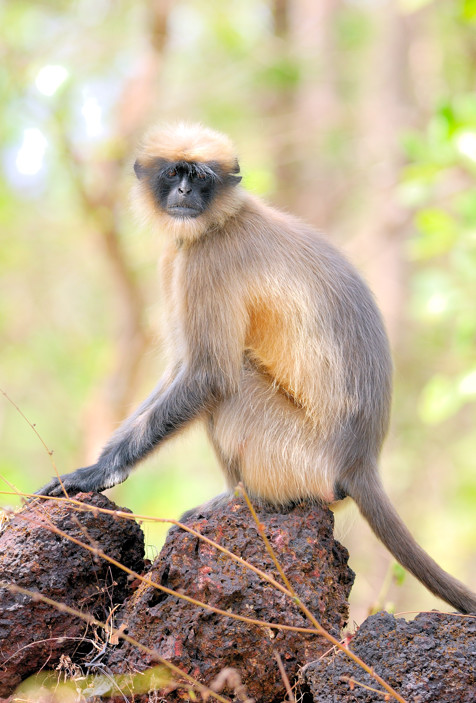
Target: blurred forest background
358,115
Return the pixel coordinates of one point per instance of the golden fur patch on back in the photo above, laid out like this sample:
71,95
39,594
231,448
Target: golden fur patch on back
188,142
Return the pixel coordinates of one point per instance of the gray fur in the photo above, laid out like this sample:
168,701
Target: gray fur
276,342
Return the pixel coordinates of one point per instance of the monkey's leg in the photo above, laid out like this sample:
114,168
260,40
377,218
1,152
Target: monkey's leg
263,439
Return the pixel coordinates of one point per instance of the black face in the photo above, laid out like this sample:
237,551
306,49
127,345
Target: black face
185,188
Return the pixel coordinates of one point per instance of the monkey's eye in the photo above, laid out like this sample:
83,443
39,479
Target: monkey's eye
202,176
171,173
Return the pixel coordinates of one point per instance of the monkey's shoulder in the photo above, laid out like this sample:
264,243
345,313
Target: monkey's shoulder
276,238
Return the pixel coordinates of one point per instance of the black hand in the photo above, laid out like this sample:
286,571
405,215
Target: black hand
89,478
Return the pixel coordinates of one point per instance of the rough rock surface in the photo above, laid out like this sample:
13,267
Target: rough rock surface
34,635
204,643
431,658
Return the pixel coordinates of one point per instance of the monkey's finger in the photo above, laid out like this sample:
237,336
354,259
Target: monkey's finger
84,480
51,488
56,488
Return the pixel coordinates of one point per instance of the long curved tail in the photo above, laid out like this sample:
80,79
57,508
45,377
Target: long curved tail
382,517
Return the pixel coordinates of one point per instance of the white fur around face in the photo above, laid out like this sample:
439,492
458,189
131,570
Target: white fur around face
187,142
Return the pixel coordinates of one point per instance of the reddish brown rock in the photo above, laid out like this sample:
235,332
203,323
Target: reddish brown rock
34,635
431,658
203,643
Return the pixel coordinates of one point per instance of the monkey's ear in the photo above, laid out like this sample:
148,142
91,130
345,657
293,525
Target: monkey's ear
139,170
234,180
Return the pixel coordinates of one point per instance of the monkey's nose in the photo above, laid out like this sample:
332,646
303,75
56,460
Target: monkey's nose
184,188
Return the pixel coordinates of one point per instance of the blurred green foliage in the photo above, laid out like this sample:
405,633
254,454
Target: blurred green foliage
441,181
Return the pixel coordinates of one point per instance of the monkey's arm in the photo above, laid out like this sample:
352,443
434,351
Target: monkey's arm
209,373
108,470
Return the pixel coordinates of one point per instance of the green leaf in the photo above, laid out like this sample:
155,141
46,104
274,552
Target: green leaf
468,11
283,73
439,233
421,172
439,400
399,574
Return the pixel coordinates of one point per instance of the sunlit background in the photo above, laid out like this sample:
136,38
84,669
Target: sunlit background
358,115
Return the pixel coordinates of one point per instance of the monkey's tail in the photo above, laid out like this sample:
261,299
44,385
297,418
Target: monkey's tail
384,520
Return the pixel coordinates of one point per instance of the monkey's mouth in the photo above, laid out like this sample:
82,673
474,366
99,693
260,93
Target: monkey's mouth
183,211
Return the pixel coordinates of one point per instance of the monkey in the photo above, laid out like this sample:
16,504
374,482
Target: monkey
275,343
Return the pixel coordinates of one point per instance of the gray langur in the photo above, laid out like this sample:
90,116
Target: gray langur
275,342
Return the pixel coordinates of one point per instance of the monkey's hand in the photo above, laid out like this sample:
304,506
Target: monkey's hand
89,478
